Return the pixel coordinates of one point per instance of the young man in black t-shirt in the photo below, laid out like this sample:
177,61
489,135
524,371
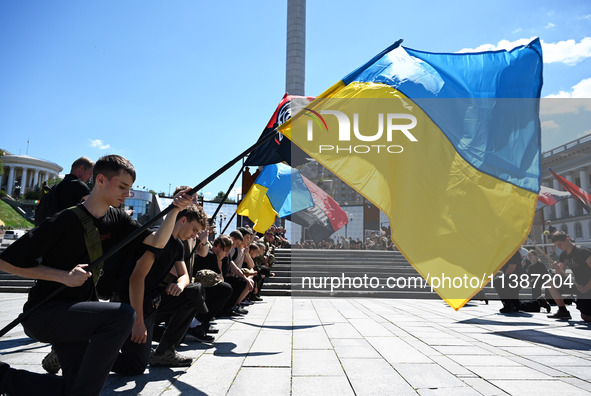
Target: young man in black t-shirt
216,296
578,259
151,296
85,333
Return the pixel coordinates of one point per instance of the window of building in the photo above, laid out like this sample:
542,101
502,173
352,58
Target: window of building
564,228
578,230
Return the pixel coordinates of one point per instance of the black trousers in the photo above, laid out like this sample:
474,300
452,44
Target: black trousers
508,294
216,298
178,311
238,285
86,337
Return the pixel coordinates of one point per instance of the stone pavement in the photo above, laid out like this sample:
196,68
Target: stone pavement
342,347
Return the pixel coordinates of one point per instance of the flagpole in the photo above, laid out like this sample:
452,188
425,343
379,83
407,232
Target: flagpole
138,231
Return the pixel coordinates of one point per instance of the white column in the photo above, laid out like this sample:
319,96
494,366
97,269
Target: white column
558,206
10,184
572,202
36,177
25,179
584,184
547,209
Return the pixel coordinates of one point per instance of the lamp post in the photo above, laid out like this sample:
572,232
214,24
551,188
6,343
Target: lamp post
221,221
350,216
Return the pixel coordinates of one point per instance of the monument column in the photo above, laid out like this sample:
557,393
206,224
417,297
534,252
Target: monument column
295,67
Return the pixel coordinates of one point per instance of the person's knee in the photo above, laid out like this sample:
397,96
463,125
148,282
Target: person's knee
124,315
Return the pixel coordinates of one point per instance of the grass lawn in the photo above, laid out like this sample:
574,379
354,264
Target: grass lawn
11,218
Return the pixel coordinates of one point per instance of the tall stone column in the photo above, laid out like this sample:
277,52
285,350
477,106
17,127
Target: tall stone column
572,202
584,184
558,206
547,209
10,183
295,68
36,177
25,179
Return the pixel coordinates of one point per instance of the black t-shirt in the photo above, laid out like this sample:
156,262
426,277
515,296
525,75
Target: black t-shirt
577,262
515,259
71,190
210,262
59,241
163,262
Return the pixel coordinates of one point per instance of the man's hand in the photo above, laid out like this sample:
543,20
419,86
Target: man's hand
202,235
174,289
181,200
77,276
139,333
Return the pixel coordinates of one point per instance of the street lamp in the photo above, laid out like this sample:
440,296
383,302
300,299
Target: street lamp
221,221
350,216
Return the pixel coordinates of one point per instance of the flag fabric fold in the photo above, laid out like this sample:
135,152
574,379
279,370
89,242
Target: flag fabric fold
324,218
278,191
550,197
278,149
583,196
454,163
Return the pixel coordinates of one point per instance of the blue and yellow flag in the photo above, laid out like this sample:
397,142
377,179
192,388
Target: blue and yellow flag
278,191
446,145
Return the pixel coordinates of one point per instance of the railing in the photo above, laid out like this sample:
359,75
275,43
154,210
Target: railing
566,146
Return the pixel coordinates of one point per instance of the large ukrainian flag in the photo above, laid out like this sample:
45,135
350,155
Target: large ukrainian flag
460,182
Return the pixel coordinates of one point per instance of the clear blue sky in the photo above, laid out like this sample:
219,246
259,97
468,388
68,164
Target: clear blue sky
181,87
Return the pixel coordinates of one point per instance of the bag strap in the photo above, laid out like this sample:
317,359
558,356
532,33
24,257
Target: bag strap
92,239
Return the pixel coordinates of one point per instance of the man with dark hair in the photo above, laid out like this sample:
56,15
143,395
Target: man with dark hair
578,259
68,192
85,333
218,293
152,296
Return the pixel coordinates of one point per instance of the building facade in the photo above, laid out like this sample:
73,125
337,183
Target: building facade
572,161
23,173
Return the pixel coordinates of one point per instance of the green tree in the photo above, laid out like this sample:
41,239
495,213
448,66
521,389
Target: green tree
220,196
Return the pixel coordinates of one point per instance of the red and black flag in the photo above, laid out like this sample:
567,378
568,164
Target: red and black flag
279,149
583,196
322,219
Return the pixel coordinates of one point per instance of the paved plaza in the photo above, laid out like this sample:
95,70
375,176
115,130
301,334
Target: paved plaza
342,347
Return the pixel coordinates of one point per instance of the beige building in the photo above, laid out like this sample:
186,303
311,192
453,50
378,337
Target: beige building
24,173
573,162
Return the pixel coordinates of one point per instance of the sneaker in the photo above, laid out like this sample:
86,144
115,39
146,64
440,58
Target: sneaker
561,314
212,330
240,310
50,363
246,302
199,334
258,298
170,358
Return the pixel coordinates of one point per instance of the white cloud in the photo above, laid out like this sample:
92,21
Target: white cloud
549,125
568,51
580,90
550,25
587,17
517,30
98,143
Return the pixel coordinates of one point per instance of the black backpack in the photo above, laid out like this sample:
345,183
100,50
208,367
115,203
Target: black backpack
48,205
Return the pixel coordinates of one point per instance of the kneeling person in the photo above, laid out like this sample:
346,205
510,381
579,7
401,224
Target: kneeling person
150,297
